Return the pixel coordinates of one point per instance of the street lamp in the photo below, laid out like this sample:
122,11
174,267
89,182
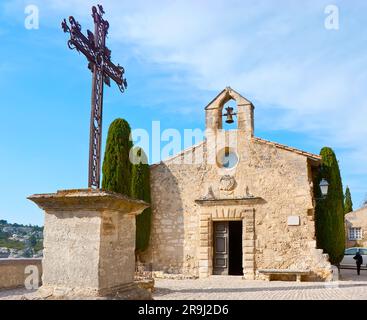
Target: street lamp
324,187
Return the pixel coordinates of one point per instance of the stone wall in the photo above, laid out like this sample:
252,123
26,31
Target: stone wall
281,178
277,176
13,272
117,263
98,257
71,258
175,219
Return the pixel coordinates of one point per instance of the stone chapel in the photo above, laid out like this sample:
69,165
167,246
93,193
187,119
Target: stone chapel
234,204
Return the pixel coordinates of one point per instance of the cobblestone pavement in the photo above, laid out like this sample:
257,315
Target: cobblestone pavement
350,286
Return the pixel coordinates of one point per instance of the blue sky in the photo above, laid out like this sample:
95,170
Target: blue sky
308,83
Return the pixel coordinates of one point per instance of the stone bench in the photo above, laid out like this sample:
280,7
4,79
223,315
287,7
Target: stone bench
297,273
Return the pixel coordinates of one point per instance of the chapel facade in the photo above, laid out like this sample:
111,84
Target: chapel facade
234,204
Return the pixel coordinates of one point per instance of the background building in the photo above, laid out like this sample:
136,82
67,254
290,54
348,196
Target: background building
356,228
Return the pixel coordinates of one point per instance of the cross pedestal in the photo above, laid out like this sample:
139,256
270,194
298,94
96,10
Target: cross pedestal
89,242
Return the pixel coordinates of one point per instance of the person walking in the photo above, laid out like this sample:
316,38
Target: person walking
359,261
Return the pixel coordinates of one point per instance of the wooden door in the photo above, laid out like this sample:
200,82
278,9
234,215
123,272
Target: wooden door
221,237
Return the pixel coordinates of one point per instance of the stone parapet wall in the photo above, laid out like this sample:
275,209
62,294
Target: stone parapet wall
13,272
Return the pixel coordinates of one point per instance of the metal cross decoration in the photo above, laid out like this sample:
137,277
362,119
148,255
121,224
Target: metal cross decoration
99,57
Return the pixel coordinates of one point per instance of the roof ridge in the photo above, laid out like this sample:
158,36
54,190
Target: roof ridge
182,152
276,144
292,149
227,89
358,210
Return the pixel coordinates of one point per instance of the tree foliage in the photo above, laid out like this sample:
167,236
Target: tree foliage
117,166
348,203
120,175
329,213
140,189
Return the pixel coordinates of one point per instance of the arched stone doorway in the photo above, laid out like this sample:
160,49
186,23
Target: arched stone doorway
230,210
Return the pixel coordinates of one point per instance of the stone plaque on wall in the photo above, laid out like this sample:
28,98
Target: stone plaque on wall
293,221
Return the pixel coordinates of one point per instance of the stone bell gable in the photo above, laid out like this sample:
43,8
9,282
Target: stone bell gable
255,211
245,113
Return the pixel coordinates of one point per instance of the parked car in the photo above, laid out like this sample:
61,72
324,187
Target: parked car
349,262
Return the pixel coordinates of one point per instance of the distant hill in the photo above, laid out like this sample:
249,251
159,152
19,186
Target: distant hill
20,241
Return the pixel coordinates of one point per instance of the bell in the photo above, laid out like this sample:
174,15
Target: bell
229,119
229,115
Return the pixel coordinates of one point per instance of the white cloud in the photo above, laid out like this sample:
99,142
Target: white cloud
278,54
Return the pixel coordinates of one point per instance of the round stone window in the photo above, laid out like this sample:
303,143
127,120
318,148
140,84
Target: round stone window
227,158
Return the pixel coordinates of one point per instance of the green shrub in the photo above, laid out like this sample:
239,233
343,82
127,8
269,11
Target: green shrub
12,244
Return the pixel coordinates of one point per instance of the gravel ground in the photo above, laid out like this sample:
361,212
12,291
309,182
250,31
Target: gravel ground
350,286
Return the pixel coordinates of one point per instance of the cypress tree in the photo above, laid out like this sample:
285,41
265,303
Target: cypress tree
117,167
140,189
348,204
329,213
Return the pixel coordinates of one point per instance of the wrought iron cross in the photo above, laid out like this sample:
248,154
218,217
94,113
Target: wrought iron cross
99,57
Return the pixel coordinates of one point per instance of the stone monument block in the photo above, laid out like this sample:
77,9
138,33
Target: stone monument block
89,242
